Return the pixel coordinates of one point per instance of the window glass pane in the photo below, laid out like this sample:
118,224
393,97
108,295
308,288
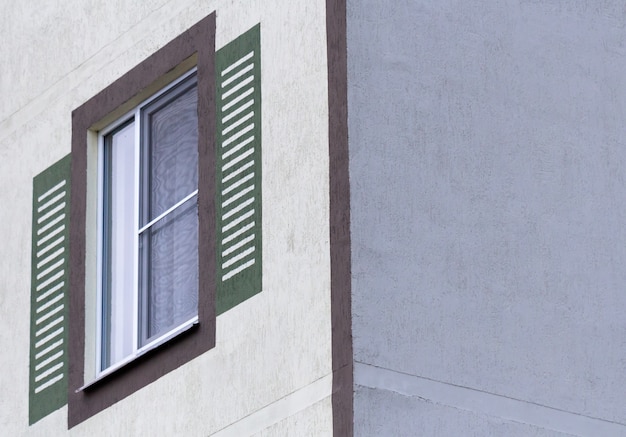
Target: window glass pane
120,236
169,247
169,254
173,151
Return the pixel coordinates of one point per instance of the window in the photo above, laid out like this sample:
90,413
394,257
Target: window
153,206
149,224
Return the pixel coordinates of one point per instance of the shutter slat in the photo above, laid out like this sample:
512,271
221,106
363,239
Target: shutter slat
239,170
49,278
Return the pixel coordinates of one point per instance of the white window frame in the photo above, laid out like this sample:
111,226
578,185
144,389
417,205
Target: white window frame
137,351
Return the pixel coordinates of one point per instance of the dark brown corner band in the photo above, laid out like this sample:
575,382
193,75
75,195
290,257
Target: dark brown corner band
199,40
340,247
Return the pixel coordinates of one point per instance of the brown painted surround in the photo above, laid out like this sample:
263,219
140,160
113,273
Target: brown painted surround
198,41
340,247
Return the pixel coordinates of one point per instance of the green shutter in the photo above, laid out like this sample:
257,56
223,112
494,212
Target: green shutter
49,285
239,170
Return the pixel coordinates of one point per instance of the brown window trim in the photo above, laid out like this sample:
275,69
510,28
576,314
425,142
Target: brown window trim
340,245
198,43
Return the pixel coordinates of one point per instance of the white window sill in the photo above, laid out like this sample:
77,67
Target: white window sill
145,349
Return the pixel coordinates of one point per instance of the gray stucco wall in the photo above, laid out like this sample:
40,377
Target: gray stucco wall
488,209
412,416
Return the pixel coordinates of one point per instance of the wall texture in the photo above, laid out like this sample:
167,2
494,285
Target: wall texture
272,361
488,168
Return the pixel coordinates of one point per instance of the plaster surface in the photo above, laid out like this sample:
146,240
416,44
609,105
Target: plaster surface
391,414
40,34
312,422
487,169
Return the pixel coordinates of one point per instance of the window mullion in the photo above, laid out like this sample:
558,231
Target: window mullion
100,263
168,212
137,192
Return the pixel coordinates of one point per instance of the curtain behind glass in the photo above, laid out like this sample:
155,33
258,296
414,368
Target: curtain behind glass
169,249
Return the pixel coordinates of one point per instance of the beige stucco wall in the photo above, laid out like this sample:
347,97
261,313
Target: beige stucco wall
275,346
